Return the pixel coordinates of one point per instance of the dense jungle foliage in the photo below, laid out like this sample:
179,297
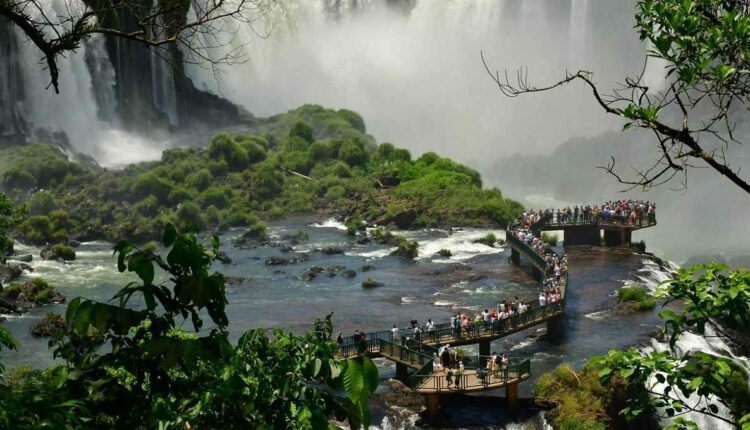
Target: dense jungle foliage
307,160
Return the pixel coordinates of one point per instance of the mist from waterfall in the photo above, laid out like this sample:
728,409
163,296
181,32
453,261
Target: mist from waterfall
417,77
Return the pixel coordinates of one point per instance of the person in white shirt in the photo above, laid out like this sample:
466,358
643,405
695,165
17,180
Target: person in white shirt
395,334
436,365
542,299
430,326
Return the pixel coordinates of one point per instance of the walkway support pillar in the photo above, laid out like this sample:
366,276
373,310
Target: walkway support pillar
432,403
511,395
555,328
484,348
582,235
402,373
515,257
617,237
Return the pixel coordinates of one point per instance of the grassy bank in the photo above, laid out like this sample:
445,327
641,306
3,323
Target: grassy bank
309,160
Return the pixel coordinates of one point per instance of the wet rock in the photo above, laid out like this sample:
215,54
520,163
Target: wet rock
73,243
251,239
59,253
388,181
332,250
223,257
370,283
235,280
50,325
28,258
403,396
444,253
278,272
349,274
404,219
35,292
312,273
301,257
286,248
367,268
10,272
363,240
276,261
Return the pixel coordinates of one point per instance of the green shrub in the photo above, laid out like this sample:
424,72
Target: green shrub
353,154
181,194
303,131
296,161
428,158
215,196
148,206
336,192
407,249
200,180
299,202
255,152
17,178
42,203
581,400
275,213
354,224
64,252
223,147
632,294
190,214
150,184
218,168
269,182
550,238
320,151
354,119
445,253
489,239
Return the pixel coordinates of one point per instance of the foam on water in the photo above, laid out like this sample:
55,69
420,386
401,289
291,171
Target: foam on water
598,315
378,253
523,344
460,243
330,223
444,303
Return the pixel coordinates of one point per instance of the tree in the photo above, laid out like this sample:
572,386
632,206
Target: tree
10,216
197,27
693,113
660,382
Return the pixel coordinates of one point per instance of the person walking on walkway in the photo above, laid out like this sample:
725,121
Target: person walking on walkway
395,334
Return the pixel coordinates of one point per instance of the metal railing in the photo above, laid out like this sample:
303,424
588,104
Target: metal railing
537,260
475,375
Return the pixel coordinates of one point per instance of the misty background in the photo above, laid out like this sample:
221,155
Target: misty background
412,68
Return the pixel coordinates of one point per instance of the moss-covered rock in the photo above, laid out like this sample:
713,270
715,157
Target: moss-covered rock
59,252
35,292
52,325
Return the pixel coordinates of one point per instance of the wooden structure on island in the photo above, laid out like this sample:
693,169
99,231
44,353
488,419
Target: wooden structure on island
415,351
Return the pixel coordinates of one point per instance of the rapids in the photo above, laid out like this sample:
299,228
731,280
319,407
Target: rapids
476,277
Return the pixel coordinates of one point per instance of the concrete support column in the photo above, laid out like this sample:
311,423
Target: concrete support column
555,328
511,395
484,348
515,257
432,403
582,235
402,373
616,237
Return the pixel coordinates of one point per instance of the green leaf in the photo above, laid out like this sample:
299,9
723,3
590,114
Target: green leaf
169,236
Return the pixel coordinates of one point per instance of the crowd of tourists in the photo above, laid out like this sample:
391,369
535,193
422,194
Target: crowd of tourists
625,212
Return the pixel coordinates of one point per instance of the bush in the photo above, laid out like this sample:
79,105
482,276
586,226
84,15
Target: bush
550,238
632,294
489,239
296,161
320,151
407,249
354,119
181,194
581,400
302,131
200,180
269,182
218,168
215,196
150,184
296,144
18,179
189,214
353,154
148,206
64,252
354,224
255,152
445,253
223,147
42,203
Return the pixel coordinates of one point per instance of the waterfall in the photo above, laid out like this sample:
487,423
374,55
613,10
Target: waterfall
579,23
11,85
162,85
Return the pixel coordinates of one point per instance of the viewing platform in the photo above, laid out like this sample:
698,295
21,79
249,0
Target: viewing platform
589,229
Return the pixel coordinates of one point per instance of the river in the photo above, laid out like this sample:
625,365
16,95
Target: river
475,277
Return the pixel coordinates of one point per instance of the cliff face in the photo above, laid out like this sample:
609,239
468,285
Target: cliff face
11,87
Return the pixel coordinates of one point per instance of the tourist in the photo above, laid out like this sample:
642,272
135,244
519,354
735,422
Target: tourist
395,334
430,326
340,340
542,299
418,334
445,356
449,377
482,376
436,364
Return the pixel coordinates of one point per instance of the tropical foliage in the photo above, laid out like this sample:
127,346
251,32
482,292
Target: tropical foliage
129,364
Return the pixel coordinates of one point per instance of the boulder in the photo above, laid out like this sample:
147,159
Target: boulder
73,243
9,273
370,283
49,326
404,219
223,257
312,273
27,258
363,240
235,280
301,257
332,250
367,268
348,273
276,261
251,238
388,181
58,252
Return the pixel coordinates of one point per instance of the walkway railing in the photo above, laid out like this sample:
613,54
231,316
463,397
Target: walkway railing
472,377
537,260
551,219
